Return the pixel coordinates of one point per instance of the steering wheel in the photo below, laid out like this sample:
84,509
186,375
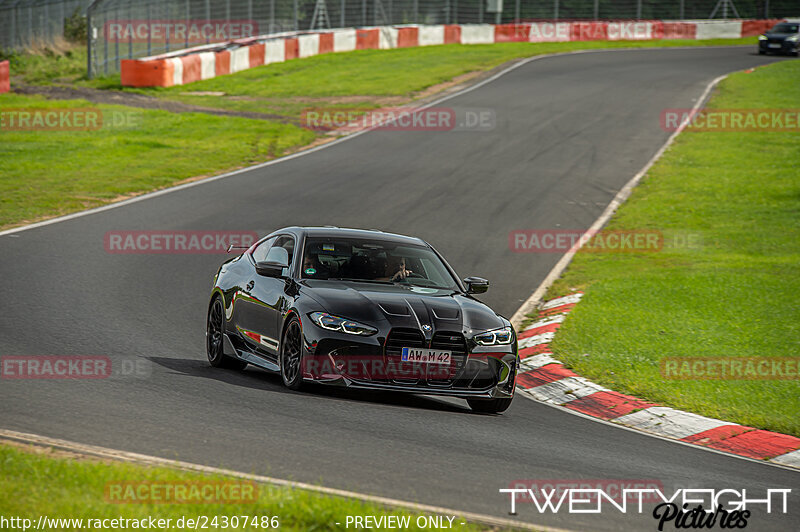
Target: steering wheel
410,274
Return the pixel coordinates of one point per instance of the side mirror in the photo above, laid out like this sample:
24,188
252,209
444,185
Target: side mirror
270,268
476,285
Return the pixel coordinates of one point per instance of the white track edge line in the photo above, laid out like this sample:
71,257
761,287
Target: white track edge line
125,456
644,432
308,151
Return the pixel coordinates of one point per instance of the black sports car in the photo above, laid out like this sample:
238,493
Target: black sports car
361,309
782,38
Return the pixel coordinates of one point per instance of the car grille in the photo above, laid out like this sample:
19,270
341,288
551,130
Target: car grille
451,342
395,342
454,342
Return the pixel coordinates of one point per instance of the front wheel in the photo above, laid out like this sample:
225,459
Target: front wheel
215,327
489,406
291,355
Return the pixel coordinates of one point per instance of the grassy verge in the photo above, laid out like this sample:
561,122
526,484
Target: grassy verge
370,78
36,483
46,173
97,167
734,295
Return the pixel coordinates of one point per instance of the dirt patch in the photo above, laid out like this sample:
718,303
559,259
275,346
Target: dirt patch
139,101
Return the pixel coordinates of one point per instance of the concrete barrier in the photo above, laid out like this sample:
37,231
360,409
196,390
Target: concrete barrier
5,77
204,62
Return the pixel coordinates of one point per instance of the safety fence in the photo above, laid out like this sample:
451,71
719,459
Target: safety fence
127,29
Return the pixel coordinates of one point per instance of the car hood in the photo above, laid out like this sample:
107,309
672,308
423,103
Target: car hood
403,306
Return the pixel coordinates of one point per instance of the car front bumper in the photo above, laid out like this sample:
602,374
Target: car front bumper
362,363
778,46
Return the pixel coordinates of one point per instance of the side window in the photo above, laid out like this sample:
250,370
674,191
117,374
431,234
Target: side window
287,243
260,253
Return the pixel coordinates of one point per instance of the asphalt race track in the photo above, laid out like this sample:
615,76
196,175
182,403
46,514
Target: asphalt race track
570,131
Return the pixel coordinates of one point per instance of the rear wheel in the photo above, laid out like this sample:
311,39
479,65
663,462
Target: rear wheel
292,355
489,406
215,327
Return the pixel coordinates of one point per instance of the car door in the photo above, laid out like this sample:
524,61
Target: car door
264,299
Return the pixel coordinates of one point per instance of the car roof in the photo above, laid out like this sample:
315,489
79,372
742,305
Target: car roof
344,232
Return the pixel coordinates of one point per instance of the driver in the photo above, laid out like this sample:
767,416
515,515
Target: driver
398,266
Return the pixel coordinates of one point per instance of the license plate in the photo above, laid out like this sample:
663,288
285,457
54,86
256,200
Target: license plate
425,356
774,45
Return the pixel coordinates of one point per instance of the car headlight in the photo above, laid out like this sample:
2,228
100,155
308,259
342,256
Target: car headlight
502,336
335,323
793,38
762,37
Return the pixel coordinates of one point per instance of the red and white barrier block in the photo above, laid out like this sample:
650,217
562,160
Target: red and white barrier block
5,77
545,379
204,62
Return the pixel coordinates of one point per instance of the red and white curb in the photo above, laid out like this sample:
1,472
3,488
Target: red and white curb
547,380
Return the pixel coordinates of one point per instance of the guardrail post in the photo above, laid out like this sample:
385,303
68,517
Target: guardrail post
89,73
149,31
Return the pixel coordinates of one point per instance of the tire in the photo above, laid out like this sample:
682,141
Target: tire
762,52
215,325
291,355
489,406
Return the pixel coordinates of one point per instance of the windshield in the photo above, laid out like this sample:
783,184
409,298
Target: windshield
374,261
785,28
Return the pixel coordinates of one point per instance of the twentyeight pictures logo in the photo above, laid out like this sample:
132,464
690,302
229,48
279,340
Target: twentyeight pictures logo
682,508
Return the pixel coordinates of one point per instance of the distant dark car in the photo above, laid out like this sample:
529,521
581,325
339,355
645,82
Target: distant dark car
361,309
782,39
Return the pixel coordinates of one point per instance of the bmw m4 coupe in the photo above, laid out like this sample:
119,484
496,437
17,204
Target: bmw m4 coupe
360,309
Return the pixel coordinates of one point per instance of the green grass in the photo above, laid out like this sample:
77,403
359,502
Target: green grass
733,296
97,167
63,64
46,173
38,484
370,74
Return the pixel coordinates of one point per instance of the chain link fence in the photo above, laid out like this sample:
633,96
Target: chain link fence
26,24
127,29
